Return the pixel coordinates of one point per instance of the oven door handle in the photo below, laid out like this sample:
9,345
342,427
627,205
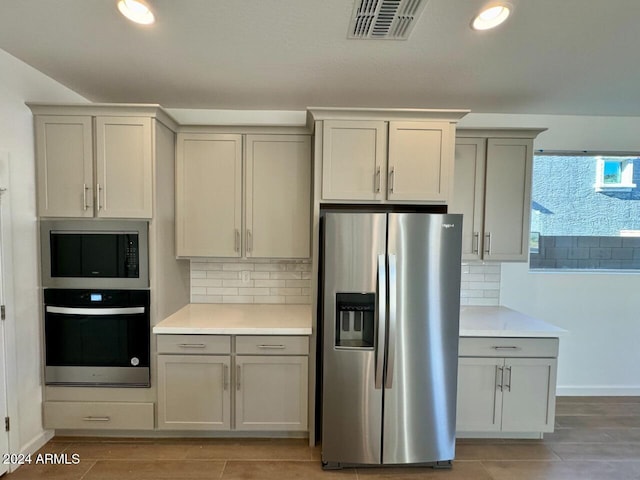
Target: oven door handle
94,311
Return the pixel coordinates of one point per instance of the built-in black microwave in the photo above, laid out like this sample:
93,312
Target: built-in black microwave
94,254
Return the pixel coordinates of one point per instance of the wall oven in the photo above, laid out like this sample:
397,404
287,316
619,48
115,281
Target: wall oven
94,254
96,337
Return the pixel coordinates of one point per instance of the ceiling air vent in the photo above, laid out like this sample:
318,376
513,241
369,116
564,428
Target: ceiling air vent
385,19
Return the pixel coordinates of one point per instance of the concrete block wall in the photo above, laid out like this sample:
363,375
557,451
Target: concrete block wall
587,252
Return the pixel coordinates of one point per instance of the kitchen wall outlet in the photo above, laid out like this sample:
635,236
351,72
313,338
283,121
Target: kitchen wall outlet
246,276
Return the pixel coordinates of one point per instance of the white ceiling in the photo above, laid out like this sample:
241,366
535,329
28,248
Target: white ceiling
553,56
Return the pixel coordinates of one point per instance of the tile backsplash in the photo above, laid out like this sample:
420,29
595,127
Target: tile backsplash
480,284
250,281
289,281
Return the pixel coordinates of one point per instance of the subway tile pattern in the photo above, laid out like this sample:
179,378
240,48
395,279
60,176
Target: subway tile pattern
289,282
250,281
480,284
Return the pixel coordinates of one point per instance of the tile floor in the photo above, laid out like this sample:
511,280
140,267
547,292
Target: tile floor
595,439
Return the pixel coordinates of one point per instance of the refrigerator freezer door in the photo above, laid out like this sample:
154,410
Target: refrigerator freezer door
420,387
351,403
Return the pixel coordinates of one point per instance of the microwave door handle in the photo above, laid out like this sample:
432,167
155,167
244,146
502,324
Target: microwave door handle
381,296
94,311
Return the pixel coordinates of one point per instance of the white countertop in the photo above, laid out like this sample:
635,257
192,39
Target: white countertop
253,319
238,319
503,322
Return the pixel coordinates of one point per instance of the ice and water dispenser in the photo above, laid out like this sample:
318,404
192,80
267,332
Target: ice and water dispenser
355,320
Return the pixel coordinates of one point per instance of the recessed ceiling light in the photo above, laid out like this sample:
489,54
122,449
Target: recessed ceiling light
491,16
137,11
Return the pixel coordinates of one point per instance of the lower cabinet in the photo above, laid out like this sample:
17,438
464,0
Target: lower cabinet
260,387
507,385
194,392
98,415
271,393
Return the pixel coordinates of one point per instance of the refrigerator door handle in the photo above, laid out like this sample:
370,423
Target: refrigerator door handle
391,340
381,296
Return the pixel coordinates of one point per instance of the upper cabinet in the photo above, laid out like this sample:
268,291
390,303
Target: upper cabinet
492,189
278,196
385,156
243,195
91,163
124,167
208,195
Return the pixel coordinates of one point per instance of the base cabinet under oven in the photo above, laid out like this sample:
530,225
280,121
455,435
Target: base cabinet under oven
98,415
97,337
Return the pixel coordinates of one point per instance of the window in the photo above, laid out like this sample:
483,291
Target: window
581,226
614,174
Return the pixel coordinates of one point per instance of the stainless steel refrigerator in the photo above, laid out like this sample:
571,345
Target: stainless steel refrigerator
390,324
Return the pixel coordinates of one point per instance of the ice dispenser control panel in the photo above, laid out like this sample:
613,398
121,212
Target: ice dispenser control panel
355,320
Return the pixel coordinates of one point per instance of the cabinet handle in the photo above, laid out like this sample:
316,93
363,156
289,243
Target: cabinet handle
499,375
377,181
392,179
475,248
225,378
238,377
84,196
487,237
249,241
273,347
505,347
97,419
508,385
237,241
191,345
98,196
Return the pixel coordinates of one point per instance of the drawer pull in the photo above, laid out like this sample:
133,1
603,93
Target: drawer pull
508,385
97,419
511,347
272,347
192,345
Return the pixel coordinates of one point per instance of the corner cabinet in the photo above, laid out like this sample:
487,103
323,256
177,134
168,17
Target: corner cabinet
94,166
385,156
492,189
506,385
199,379
243,195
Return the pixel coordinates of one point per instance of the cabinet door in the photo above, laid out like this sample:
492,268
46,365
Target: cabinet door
468,193
479,394
529,395
507,199
64,162
124,167
271,393
420,161
194,392
209,195
353,158
278,196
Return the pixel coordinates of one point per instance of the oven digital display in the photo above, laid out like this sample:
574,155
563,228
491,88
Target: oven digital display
96,297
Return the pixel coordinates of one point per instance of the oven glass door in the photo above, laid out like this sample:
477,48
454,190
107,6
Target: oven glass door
96,345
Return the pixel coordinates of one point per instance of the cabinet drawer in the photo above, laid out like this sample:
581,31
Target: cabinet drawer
272,345
98,415
507,347
194,344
